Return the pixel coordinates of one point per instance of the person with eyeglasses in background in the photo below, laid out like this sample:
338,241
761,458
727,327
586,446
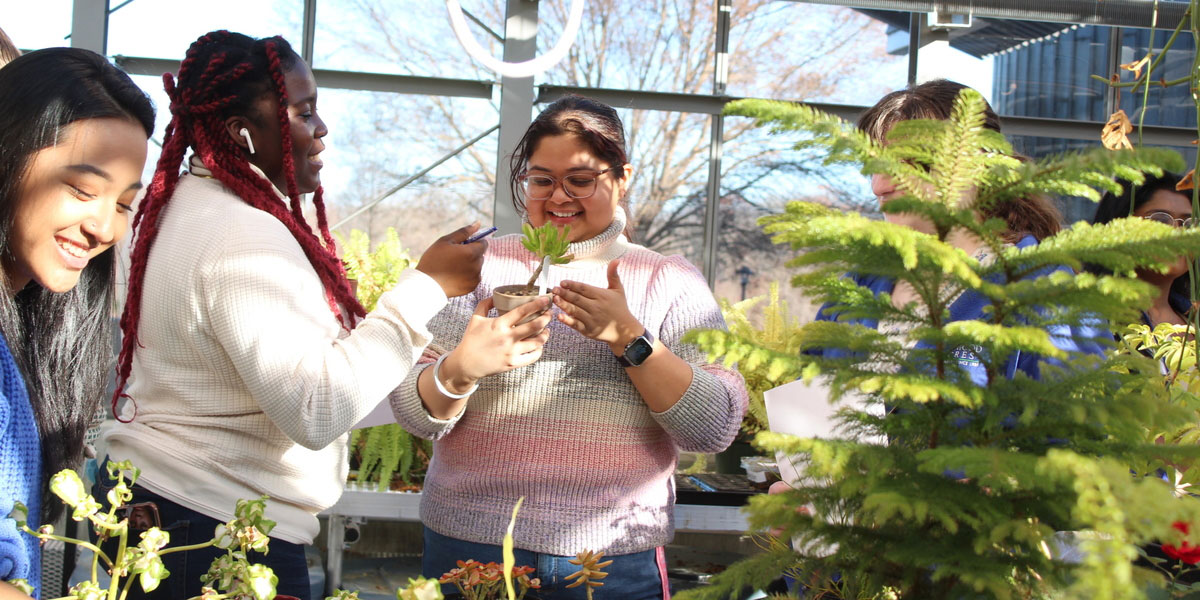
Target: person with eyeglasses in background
1157,200
582,412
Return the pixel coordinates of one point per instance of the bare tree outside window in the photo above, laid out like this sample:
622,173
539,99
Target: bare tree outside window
778,50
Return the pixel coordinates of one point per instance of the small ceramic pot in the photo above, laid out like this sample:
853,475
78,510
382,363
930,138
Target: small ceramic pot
509,297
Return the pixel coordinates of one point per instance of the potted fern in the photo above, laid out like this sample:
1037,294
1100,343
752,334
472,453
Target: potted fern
975,478
549,245
778,332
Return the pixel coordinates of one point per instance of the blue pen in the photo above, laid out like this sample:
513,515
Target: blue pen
701,484
479,235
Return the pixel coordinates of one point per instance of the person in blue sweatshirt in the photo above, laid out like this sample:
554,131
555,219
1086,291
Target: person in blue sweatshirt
73,133
1029,219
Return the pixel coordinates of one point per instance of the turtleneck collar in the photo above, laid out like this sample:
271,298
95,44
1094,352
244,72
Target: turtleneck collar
197,167
609,245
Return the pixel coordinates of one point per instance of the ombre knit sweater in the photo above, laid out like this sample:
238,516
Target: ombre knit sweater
570,432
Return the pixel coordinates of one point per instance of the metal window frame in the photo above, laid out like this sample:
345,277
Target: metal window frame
89,29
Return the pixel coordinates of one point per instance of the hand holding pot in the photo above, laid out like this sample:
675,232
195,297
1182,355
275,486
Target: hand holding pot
491,346
453,264
598,313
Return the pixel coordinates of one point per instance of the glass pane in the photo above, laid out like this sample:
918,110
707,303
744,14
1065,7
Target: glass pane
405,37
1172,105
669,153
824,54
1047,72
748,262
45,25
166,29
375,143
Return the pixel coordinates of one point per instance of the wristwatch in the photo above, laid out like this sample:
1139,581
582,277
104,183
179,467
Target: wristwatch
637,351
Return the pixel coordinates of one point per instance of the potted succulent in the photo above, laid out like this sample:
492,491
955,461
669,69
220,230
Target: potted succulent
549,245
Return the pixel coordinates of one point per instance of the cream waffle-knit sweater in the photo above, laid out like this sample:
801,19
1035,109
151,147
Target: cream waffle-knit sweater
570,432
244,381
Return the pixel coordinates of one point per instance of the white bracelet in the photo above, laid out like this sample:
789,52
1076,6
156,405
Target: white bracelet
437,380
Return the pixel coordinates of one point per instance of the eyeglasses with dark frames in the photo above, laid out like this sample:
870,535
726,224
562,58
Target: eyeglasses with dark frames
1167,219
579,185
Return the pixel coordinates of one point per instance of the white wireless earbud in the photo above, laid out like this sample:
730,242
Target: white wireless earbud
249,142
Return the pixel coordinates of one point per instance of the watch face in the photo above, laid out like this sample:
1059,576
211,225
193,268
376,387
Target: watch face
638,351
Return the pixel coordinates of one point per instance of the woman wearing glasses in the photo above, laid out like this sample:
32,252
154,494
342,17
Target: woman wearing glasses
588,435
1157,200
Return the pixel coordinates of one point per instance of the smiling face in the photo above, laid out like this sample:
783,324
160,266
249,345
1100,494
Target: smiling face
74,202
885,191
305,126
1178,206
562,156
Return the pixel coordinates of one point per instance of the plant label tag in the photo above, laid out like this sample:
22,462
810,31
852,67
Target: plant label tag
544,278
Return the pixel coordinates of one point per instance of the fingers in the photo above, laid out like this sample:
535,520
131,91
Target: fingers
570,321
518,314
563,294
532,328
530,344
614,280
582,289
482,308
527,359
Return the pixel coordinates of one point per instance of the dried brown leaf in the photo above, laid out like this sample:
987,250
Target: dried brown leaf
1186,182
1136,67
1114,136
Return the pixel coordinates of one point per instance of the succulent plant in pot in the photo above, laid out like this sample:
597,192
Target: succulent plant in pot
549,245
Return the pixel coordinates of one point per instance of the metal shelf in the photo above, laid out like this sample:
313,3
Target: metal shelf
360,503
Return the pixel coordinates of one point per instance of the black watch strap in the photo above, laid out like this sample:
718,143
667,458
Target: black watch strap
637,351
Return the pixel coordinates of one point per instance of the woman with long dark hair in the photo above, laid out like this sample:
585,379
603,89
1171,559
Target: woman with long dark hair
73,131
247,356
1158,200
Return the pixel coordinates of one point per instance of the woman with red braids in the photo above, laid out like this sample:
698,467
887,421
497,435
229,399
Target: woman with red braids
246,354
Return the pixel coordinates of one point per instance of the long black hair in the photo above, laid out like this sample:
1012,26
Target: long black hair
1115,206
61,341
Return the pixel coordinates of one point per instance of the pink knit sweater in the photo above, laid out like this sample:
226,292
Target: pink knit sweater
570,432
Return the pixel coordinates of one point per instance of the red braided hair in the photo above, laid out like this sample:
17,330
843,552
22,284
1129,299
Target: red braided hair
237,70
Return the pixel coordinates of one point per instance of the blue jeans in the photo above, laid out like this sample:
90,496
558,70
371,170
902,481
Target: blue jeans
187,527
637,576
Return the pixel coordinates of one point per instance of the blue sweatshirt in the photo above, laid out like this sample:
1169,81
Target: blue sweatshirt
970,307
20,476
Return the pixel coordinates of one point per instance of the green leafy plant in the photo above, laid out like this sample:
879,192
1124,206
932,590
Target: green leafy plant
373,271
231,575
965,497
384,451
545,241
776,331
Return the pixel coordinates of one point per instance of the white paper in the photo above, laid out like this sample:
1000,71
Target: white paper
380,415
803,409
